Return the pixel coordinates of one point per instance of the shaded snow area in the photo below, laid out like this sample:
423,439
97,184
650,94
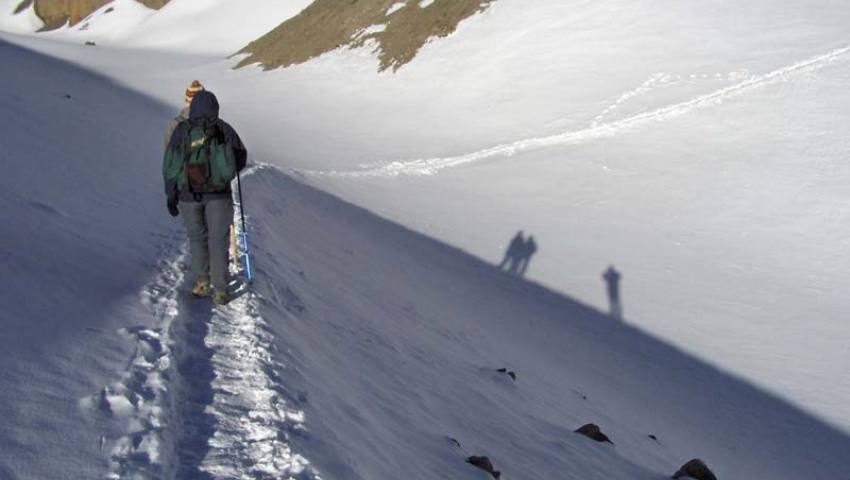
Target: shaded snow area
699,148
81,237
395,341
109,370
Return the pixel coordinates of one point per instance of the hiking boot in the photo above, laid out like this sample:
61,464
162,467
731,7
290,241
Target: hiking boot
202,288
221,297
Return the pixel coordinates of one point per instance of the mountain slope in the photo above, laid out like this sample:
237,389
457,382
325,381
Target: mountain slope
397,29
58,13
83,226
698,148
400,337
374,345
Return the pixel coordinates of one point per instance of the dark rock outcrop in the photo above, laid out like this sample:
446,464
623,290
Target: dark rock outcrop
55,13
695,469
25,4
154,4
485,464
593,432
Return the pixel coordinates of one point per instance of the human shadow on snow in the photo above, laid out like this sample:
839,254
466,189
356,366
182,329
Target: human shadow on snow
518,254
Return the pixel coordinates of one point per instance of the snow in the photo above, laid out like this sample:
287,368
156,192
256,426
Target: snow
219,27
23,22
401,337
115,16
699,149
396,7
77,257
251,444
372,29
600,130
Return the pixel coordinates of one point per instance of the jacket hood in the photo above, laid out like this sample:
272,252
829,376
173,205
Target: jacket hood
204,106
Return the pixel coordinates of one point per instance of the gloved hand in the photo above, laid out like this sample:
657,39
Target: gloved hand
172,207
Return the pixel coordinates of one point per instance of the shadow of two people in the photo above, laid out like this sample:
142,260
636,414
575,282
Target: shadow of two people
518,255
518,258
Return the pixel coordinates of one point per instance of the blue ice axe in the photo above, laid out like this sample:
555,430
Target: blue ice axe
249,269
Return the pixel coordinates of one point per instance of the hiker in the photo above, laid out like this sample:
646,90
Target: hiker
203,155
528,251
612,279
512,254
191,90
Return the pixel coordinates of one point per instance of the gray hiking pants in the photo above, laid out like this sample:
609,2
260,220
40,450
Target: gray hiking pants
208,226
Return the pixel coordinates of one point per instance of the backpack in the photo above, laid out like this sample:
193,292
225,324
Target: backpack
207,166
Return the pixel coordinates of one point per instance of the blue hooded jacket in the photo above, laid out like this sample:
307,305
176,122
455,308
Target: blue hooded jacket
204,106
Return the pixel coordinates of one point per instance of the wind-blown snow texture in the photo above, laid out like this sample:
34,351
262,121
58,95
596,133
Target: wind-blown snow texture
699,148
80,237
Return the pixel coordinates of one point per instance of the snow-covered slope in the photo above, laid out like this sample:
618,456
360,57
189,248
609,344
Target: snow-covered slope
400,337
82,229
699,148
363,351
18,21
199,26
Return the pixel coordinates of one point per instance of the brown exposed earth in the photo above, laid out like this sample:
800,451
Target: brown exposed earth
154,4
326,25
55,13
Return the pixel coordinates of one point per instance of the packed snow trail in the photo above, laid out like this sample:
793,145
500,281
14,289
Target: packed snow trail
596,130
250,417
203,395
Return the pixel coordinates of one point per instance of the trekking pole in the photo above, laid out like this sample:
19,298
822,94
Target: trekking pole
249,270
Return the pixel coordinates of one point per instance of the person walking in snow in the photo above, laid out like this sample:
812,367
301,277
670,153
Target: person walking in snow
528,251
191,90
511,261
612,281
203,156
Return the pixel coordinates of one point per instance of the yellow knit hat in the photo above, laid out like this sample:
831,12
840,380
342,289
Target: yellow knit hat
194,88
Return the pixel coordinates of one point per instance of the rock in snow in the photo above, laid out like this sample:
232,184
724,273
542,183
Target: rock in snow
695,469
593,432
485,464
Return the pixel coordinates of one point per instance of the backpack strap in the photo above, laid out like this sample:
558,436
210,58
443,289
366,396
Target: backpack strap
187,155
211,133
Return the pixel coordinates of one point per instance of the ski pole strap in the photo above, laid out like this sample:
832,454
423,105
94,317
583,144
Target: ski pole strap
249,268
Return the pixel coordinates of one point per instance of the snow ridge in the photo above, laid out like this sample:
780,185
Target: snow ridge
202,392
252,418
596,130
